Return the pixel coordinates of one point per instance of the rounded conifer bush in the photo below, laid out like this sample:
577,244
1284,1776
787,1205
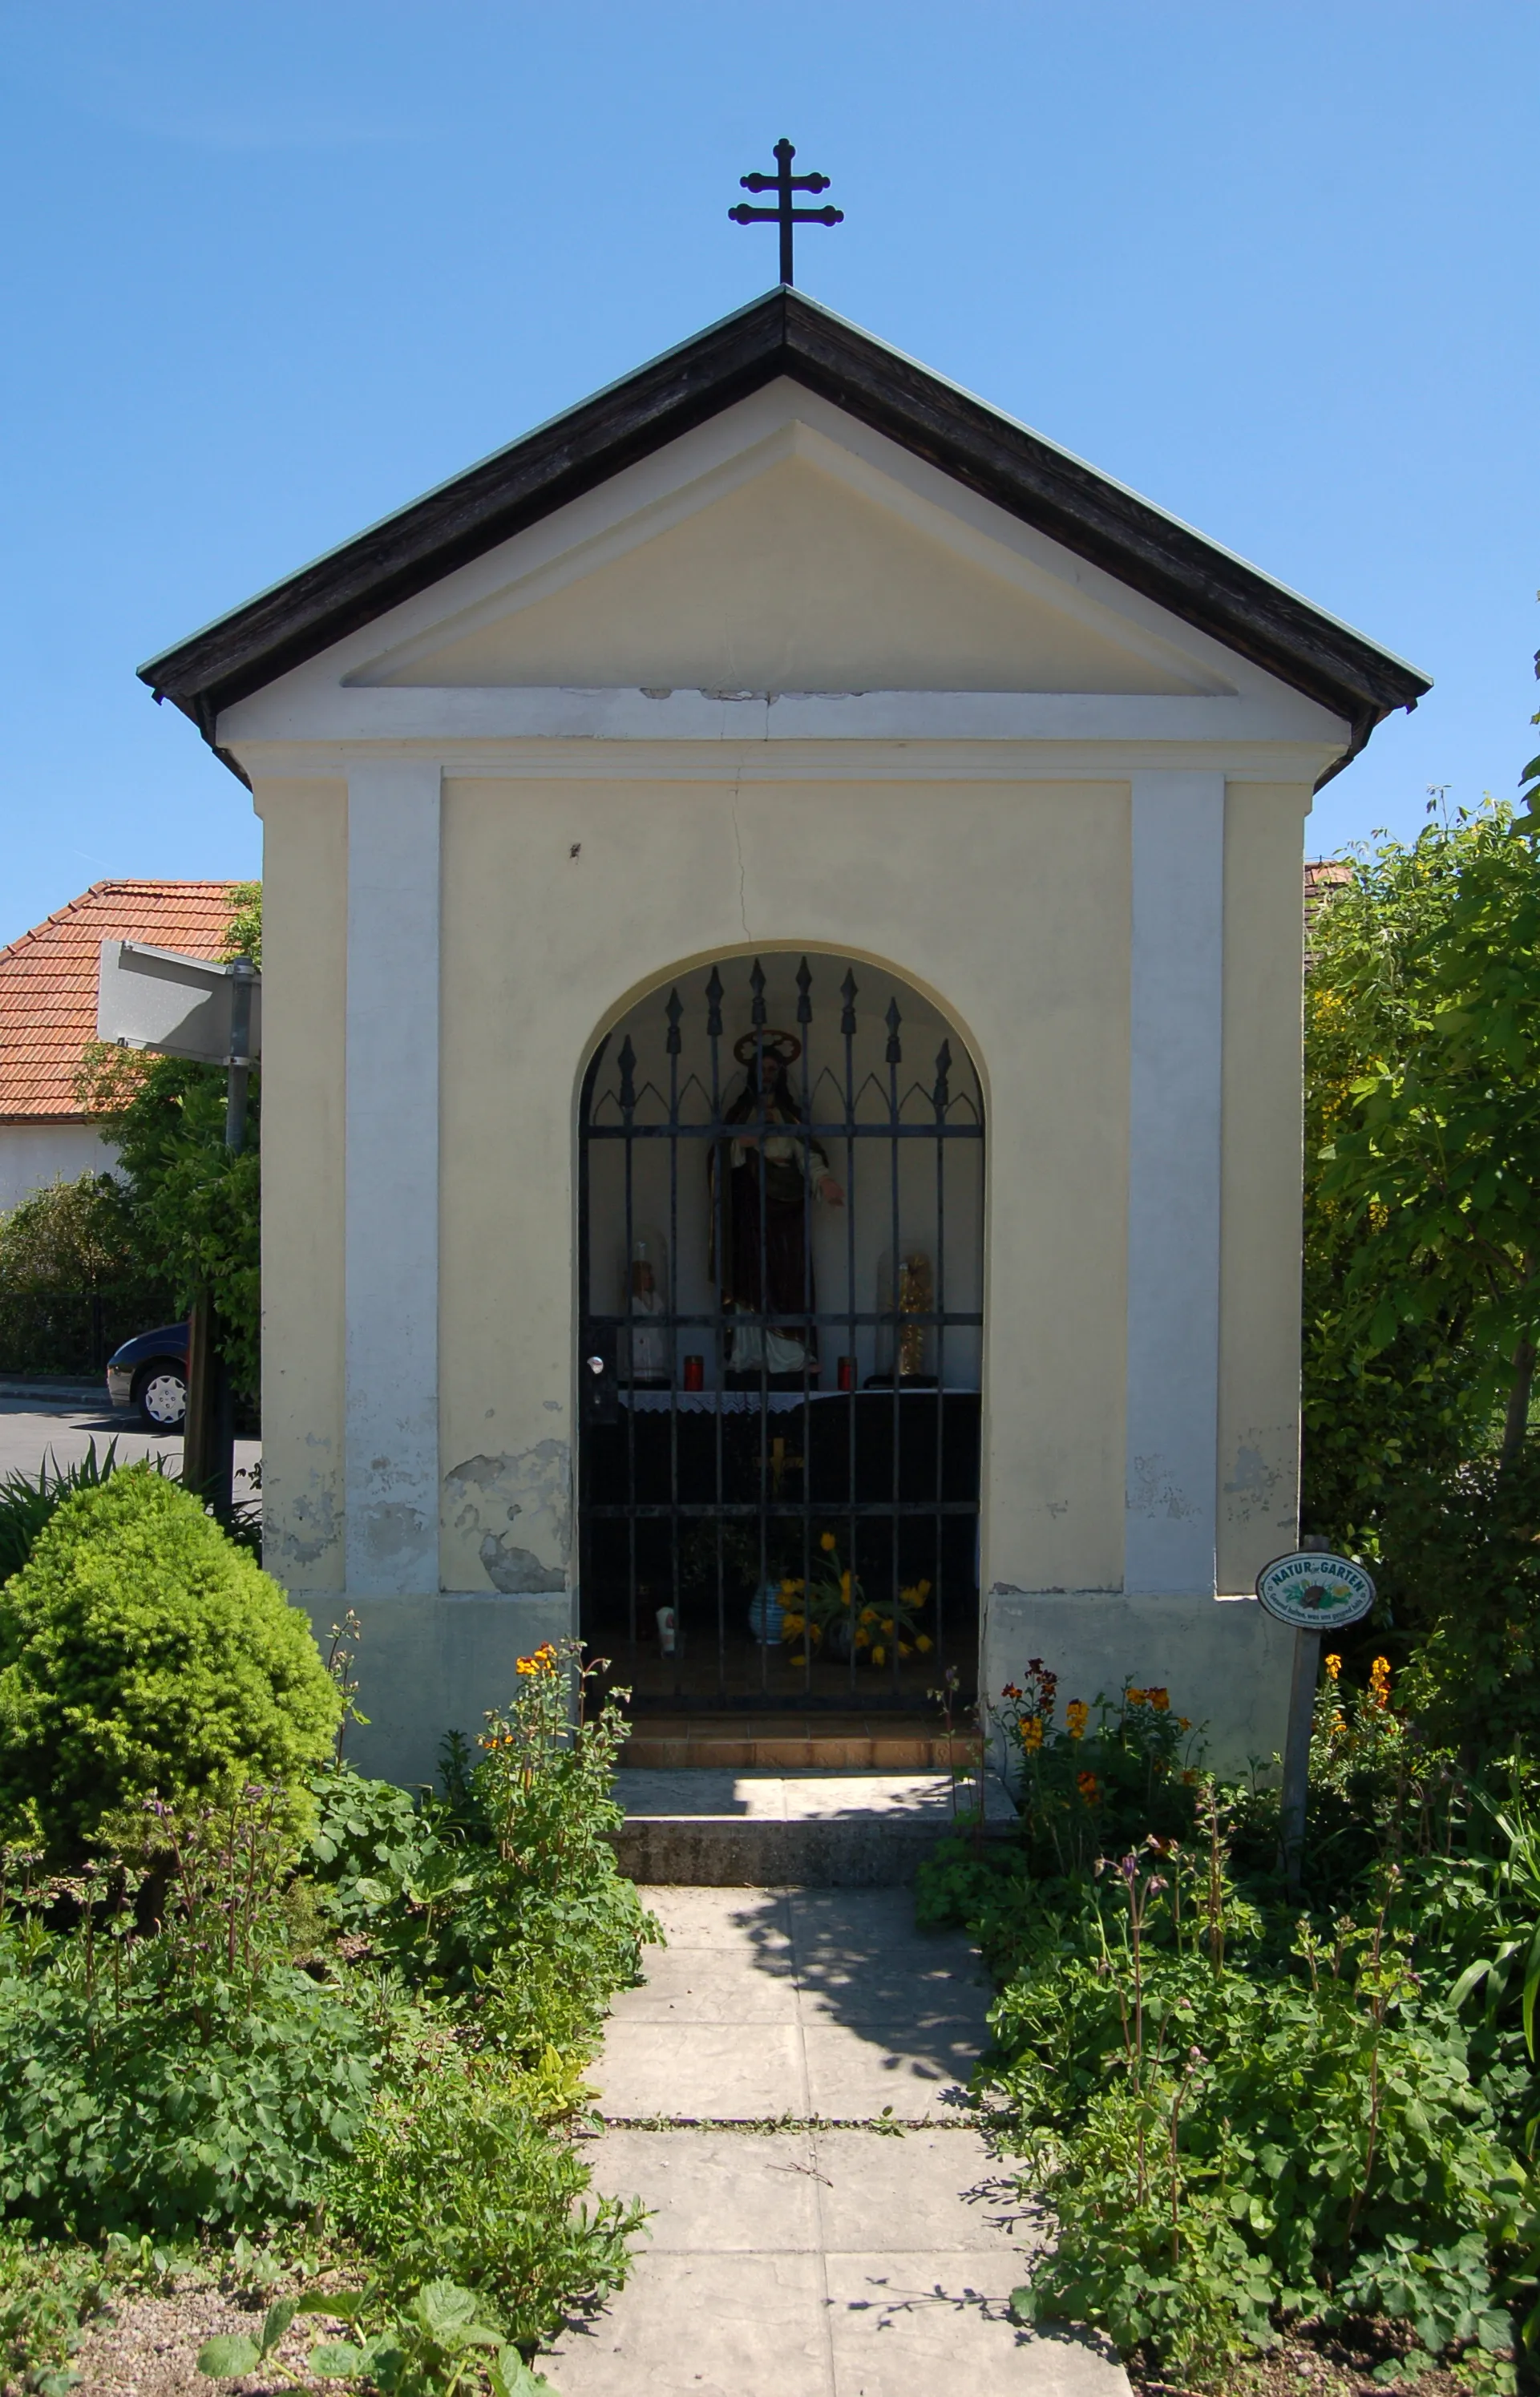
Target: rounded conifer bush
143,1654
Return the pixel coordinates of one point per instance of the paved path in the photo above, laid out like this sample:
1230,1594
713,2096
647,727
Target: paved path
32,1430
786,2092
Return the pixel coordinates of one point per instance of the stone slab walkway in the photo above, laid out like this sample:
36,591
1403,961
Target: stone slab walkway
786,2093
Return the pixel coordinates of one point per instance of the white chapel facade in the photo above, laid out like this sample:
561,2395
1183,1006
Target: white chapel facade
781,958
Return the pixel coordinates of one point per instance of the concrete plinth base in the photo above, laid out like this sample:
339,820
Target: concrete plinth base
428,1665
1225,1662
757,1831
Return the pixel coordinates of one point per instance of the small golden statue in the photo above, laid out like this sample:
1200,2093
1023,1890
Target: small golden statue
916,1293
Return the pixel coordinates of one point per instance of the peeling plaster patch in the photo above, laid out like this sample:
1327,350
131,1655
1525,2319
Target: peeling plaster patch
553,1406
1057,1507
1259,1489
532,1488
388,1527
310,1526
1007,1589
1153,1491
517,1572
482,1470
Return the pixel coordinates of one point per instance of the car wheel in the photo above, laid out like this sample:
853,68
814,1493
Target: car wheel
160,1394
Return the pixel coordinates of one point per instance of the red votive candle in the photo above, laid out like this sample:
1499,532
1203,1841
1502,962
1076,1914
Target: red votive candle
695,1372
847,1372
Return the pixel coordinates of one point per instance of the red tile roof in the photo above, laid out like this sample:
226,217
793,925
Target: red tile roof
48,982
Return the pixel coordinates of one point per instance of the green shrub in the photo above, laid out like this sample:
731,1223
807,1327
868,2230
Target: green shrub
1117,1769
29,1500
152,2101
456,2178
141,1652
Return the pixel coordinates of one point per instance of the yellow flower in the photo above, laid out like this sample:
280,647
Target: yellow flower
1076,1716
904,1649
922,1589
924,1643
1334,1667
879,1655
1379,1681
869,1614
1182,1723
1032,1732
862,1639
825,1541
790,1626
845,1587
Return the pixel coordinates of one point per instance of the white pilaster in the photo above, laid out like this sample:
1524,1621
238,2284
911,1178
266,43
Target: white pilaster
1174,1128
392,1202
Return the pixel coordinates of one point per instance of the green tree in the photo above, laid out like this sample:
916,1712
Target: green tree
196,1207
1433,1163
1395,1377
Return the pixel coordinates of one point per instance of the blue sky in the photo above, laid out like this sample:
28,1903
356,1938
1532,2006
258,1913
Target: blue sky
273,269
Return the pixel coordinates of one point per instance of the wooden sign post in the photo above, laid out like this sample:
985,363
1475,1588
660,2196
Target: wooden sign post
1318,1593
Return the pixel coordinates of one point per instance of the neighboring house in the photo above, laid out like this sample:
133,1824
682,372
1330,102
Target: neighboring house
48,1015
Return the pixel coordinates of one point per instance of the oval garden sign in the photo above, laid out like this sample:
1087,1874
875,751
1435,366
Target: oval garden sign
1316,1593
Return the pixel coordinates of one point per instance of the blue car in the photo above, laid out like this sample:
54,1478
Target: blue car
150,1372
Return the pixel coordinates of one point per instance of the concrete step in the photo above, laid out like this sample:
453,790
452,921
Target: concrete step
755,1828
792,1742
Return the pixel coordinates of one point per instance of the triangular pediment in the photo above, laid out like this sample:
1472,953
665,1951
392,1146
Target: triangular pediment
796,572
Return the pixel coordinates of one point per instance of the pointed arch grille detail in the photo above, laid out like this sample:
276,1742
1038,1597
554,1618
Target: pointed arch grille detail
780,1318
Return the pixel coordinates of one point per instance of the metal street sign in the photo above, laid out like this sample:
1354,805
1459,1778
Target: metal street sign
179,1007
1315,1592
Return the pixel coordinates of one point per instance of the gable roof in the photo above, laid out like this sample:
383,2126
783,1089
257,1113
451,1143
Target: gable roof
786,334
48,979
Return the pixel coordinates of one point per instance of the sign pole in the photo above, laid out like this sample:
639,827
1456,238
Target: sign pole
210,1008
1313,1592
1296,1753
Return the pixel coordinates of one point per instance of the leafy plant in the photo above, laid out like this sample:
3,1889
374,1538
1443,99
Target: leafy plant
1121,1767
29,1501
142,1652
442,2341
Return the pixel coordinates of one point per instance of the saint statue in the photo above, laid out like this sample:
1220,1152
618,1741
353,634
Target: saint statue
764,1185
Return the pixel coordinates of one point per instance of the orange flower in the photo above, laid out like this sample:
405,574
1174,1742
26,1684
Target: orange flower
1135,1697
1159,1700
1087,1785
1032,1733
1075,1717
825,1541
1334,1667
1379,1681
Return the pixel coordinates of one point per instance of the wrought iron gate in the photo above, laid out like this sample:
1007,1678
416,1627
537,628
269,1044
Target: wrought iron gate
779,1484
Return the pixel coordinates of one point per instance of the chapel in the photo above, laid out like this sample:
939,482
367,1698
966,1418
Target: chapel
781,1121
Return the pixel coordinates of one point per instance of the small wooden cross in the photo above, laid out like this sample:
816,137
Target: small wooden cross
783,183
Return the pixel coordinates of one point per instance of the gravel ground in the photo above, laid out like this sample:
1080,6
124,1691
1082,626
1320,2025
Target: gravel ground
148,2346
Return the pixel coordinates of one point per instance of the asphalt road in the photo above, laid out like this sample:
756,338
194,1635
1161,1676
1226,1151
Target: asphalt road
32,1430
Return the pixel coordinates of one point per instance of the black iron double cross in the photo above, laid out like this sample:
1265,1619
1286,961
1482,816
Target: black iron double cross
783,183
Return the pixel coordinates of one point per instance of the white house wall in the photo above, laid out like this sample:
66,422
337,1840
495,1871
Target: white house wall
34,1157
